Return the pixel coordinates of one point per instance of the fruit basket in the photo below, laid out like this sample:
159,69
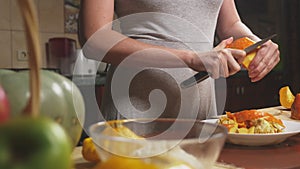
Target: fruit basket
30,139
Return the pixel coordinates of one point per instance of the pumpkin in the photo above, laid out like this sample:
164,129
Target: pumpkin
241,44
286,97
295,109
61,99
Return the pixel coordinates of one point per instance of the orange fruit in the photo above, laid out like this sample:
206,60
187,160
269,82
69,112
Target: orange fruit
286,97
241,44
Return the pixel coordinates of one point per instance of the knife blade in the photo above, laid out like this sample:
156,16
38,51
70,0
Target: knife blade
257,44
202,75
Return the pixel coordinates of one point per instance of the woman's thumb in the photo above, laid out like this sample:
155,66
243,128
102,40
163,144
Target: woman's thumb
225,42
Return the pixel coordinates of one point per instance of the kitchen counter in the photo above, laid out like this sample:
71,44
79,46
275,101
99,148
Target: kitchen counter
80,163
283,155
87,80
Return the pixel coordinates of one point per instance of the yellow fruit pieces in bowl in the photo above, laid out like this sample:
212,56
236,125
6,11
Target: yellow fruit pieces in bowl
88,151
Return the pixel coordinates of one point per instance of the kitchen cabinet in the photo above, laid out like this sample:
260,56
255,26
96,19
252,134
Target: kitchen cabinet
244,94
291,42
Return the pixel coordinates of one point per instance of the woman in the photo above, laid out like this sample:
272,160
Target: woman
166,36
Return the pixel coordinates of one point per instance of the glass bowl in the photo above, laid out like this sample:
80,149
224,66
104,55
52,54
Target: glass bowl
159,143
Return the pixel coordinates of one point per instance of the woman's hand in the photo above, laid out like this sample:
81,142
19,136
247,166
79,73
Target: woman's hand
221,61
267,57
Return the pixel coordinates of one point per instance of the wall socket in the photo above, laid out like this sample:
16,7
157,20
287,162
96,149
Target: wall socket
22,55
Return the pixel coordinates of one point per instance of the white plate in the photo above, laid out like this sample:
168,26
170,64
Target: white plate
292,128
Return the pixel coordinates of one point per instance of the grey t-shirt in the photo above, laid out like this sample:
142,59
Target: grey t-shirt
155,92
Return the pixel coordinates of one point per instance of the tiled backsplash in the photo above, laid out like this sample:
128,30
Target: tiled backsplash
51,21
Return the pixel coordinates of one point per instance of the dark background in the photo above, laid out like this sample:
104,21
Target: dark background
266,17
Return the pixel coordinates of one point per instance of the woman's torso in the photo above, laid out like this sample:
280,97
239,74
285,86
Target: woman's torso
176,24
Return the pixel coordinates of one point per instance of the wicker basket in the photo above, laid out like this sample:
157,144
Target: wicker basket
29,14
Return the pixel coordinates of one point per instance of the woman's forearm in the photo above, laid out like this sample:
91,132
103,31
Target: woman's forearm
230,24
101,43
112,47
238,30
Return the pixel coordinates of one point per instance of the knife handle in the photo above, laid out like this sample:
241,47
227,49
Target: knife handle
198,77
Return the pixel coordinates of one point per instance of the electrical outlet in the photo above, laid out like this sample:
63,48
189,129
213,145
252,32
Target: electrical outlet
22,55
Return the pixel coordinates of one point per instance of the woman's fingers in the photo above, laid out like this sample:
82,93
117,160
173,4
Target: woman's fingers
266,59
264,67
237,59
224,43
226,63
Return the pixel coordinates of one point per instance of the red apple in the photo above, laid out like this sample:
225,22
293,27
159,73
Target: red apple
295,110
4,106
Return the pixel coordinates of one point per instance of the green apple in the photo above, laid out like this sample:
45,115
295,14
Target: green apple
61,99
34,143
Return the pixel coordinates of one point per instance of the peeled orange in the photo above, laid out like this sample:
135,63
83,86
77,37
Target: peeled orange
286,97
241,44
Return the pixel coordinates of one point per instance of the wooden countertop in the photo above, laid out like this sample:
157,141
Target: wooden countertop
80,163
284,155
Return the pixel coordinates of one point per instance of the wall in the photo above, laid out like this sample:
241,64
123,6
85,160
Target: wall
12,37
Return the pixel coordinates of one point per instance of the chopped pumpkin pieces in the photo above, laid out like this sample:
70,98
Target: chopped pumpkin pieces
286,97
251,122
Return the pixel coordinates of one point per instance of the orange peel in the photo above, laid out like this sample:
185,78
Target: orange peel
241,44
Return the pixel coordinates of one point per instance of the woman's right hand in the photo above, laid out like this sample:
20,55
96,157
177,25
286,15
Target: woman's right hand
221,61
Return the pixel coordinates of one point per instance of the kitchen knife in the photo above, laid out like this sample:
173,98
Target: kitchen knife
200,76
257,44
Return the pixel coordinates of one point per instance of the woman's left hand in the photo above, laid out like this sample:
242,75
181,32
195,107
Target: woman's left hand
267,57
